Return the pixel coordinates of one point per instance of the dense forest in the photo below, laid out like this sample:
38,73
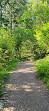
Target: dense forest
24,34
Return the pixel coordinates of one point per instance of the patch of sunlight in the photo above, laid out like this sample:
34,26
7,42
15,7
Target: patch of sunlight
27,88
12,87
26,70
9,109
27,63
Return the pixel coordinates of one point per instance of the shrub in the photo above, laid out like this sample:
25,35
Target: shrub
42,37
26,49
7,49
42,67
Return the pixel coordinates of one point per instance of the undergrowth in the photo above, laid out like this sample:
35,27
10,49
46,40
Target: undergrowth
42,67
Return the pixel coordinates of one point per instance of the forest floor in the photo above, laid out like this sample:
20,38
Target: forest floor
25,92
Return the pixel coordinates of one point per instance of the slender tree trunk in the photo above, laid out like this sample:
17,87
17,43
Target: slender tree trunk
1,14
11,22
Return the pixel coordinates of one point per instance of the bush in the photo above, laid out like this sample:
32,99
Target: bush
7,49
42,67
26,49
42,37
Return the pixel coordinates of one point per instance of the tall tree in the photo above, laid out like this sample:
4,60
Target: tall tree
13,10
3,4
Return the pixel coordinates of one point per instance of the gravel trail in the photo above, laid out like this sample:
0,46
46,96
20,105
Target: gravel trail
25,92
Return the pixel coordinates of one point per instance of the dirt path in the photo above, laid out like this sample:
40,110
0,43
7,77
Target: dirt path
24,91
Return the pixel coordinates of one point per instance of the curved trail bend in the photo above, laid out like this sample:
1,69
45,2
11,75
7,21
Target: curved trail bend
25,92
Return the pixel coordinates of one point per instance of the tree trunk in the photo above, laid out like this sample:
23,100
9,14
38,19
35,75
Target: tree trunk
1,14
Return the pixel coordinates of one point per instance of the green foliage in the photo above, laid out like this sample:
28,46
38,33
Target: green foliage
42,67
45,1
22,35
9,11
7,44
37,13
36,20
42,37
26,49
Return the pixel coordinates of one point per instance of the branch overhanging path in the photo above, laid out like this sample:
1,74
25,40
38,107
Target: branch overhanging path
25,92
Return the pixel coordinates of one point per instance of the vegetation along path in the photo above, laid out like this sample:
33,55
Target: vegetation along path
25,92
